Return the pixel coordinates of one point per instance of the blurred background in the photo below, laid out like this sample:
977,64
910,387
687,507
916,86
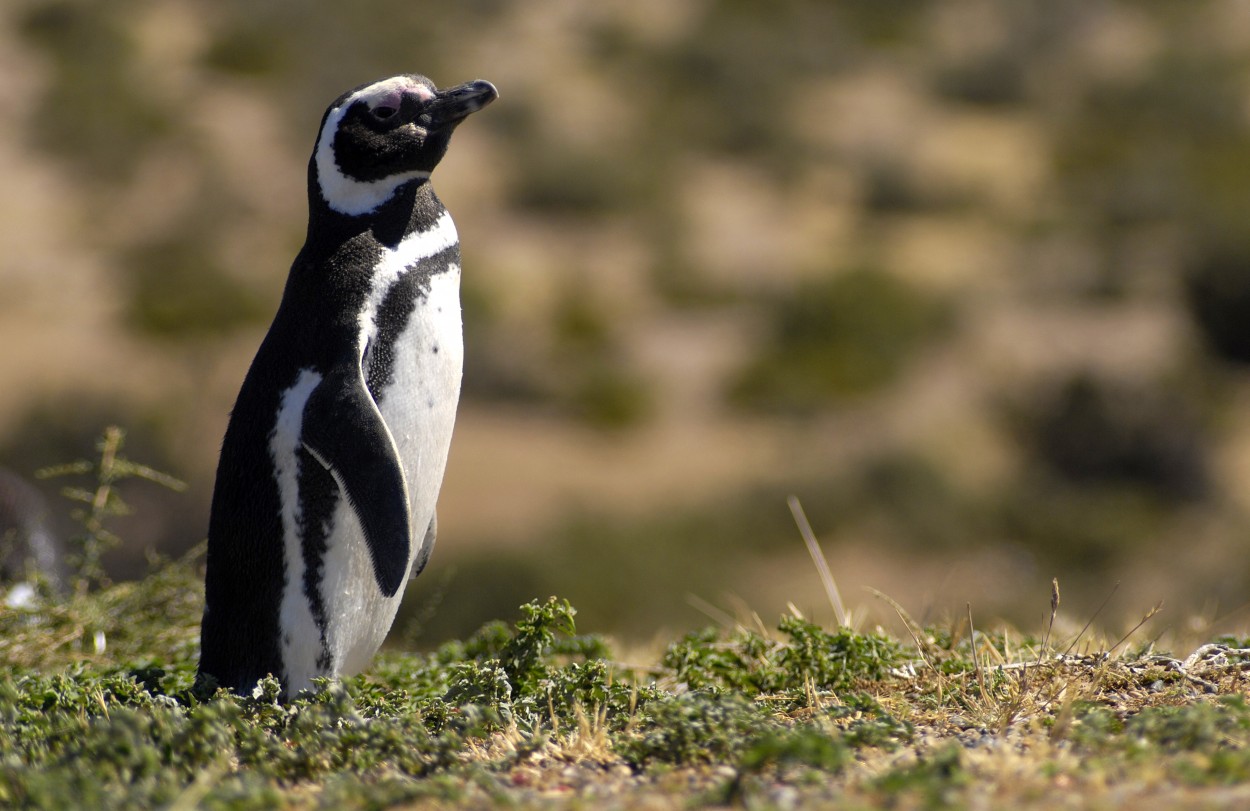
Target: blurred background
970,278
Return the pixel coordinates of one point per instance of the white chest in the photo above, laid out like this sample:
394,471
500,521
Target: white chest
419,404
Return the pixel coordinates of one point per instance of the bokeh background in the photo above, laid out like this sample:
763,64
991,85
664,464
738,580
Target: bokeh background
970,278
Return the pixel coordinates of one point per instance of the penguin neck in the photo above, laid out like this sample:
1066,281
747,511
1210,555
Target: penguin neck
413,207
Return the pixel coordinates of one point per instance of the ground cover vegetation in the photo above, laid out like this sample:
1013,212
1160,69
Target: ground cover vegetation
99,708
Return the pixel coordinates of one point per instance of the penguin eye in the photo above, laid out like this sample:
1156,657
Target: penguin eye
383,112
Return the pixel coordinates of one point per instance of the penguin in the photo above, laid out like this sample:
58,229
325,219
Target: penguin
332,460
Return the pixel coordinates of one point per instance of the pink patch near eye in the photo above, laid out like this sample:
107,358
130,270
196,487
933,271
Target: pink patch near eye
390,101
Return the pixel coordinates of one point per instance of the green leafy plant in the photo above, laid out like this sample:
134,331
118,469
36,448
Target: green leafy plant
809,658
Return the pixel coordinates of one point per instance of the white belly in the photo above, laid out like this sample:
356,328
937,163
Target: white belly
419,408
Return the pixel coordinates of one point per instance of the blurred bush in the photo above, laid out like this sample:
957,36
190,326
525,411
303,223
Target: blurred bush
1090,430
178,291
93,114
580,370
246,47
1217,288
835,337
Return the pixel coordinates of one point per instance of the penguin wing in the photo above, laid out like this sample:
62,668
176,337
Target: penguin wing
344,431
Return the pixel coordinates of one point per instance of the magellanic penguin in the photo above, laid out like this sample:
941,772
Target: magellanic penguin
323,505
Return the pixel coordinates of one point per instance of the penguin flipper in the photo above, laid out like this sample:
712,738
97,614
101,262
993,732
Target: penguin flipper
343,430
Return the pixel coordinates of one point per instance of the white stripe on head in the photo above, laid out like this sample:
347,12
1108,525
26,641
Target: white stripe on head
356,197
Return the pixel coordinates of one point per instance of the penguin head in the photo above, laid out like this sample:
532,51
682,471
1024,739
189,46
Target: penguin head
382,135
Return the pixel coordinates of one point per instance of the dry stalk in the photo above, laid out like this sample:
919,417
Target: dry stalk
976,660
818,557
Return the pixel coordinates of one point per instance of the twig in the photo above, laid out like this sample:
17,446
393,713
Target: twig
1201,653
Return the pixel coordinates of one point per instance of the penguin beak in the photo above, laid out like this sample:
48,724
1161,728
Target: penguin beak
453,105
